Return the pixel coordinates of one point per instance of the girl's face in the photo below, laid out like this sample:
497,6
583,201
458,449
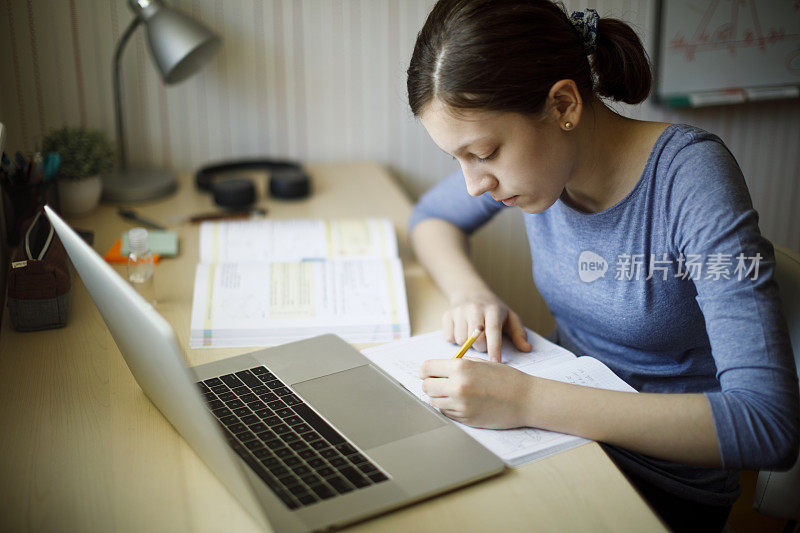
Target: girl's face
520,160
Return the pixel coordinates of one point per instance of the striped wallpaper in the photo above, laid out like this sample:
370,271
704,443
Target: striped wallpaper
316,80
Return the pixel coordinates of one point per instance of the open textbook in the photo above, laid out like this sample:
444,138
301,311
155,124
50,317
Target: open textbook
402,360
268,282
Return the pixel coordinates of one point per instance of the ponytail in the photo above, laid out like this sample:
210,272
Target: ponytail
621,63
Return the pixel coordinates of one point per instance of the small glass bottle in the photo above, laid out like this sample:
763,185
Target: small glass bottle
141,265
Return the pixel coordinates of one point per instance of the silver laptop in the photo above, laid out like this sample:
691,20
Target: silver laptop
308,435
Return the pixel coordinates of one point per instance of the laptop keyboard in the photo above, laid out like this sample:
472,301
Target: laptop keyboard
288,445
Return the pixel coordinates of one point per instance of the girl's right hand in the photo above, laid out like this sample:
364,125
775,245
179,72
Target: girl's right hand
468,311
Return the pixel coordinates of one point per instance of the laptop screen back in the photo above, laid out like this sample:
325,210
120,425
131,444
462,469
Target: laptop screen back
147,342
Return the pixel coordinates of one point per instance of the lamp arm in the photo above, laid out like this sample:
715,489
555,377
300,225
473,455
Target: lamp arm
123,158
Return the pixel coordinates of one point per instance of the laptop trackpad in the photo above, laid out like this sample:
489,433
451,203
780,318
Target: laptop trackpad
365,406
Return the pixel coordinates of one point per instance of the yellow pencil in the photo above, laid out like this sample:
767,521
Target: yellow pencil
466,346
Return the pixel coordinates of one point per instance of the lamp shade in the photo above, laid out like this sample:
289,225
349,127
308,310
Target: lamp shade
179,44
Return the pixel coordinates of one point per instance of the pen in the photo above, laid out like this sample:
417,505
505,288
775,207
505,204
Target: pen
130,214
37,164
227,215
178,220
468,344
21,162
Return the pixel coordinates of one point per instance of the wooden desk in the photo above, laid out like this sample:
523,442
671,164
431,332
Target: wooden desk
83,449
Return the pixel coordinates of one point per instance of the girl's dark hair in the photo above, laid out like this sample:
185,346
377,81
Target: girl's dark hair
505,55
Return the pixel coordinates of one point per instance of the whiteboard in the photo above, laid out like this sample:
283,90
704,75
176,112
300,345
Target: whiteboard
722,51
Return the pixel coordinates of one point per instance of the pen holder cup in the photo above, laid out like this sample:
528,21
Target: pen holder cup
21,202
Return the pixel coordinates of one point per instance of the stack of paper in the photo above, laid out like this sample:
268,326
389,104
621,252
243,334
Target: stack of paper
402,361
268,282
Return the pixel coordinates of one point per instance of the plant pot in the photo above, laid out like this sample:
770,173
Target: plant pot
78,197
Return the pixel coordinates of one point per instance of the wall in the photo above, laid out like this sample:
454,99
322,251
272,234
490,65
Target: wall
319,80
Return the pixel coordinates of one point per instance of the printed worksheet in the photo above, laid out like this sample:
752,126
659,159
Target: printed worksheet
259,304
402,360
267,282
296,240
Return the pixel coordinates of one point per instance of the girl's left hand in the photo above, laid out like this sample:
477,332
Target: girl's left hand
479,393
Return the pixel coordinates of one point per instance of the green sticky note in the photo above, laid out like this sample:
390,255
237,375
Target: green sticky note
162,242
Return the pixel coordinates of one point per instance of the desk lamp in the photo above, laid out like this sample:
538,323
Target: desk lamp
179,45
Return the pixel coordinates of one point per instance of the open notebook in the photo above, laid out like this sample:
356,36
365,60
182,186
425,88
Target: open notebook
269,282
402,361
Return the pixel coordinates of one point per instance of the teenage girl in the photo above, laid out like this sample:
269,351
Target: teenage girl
687,311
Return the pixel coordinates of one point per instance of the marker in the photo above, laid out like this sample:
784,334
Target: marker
470,341
50,165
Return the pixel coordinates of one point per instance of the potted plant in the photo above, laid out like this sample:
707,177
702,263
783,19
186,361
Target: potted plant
85,155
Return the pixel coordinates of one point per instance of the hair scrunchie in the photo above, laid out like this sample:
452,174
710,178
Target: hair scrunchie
585,22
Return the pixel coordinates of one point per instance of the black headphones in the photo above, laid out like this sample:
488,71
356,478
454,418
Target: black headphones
287,180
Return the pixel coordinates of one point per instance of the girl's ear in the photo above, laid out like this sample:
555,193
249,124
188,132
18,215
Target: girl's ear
565,104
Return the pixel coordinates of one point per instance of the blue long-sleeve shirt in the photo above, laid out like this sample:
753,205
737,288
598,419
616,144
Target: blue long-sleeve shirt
672,288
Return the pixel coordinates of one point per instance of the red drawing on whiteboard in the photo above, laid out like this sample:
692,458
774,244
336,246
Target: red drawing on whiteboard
739,28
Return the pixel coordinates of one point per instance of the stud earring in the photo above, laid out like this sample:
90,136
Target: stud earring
568,125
